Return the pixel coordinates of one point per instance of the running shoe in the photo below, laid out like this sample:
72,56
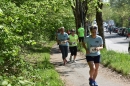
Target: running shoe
95,83
91,82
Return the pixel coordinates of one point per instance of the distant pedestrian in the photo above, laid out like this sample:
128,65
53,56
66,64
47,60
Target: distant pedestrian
110,29
126,34
129,47
93,44
81,33
73,40
63,44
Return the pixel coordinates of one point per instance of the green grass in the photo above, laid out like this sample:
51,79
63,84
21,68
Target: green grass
43,73
117,61
35,69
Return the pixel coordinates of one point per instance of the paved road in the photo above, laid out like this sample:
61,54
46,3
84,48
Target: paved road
116,42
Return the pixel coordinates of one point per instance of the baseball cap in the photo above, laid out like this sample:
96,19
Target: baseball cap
73,30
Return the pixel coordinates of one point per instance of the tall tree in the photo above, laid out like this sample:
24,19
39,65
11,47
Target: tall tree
121,12
99,20
80,8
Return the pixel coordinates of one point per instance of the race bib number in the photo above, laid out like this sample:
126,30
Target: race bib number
73,43
93,50
62,42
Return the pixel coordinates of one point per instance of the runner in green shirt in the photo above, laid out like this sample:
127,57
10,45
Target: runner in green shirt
81,34
73,40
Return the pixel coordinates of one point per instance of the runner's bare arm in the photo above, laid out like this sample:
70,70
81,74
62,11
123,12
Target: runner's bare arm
84,46
99,48
67,40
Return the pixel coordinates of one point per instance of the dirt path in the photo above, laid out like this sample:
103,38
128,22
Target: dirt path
76,74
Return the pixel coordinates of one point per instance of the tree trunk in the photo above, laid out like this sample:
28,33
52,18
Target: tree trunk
80,9
99,21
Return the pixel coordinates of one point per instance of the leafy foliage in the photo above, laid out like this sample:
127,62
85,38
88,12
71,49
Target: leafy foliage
118,11
26,26
25,23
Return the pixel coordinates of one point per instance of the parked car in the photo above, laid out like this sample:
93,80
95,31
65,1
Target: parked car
115,29
119,31
123,31
105,25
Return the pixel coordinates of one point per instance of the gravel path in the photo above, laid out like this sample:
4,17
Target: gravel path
76,74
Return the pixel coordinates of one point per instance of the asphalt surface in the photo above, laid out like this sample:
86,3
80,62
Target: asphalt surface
116,42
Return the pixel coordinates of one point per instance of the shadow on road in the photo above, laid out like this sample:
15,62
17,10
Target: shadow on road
70,66
54,51
113,36
125,42
65,73
77,65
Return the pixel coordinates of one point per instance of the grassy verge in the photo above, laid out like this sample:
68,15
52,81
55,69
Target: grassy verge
119,62
45,74
36,70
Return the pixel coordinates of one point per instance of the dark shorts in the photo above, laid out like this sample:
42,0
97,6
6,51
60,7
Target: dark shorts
96,59
73,50
81,39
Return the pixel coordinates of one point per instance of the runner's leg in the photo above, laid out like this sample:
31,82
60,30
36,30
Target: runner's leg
70,48
63,54
75,52
66,53
96,63
92,68
96,71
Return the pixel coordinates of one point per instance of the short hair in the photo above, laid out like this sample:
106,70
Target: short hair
93,27
62,28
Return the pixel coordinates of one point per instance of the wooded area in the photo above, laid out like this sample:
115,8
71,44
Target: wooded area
25,24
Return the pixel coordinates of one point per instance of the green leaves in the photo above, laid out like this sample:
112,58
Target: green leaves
15,81
25,23
1,12
118,11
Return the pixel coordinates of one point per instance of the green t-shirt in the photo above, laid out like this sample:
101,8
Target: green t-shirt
73,40
81,32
